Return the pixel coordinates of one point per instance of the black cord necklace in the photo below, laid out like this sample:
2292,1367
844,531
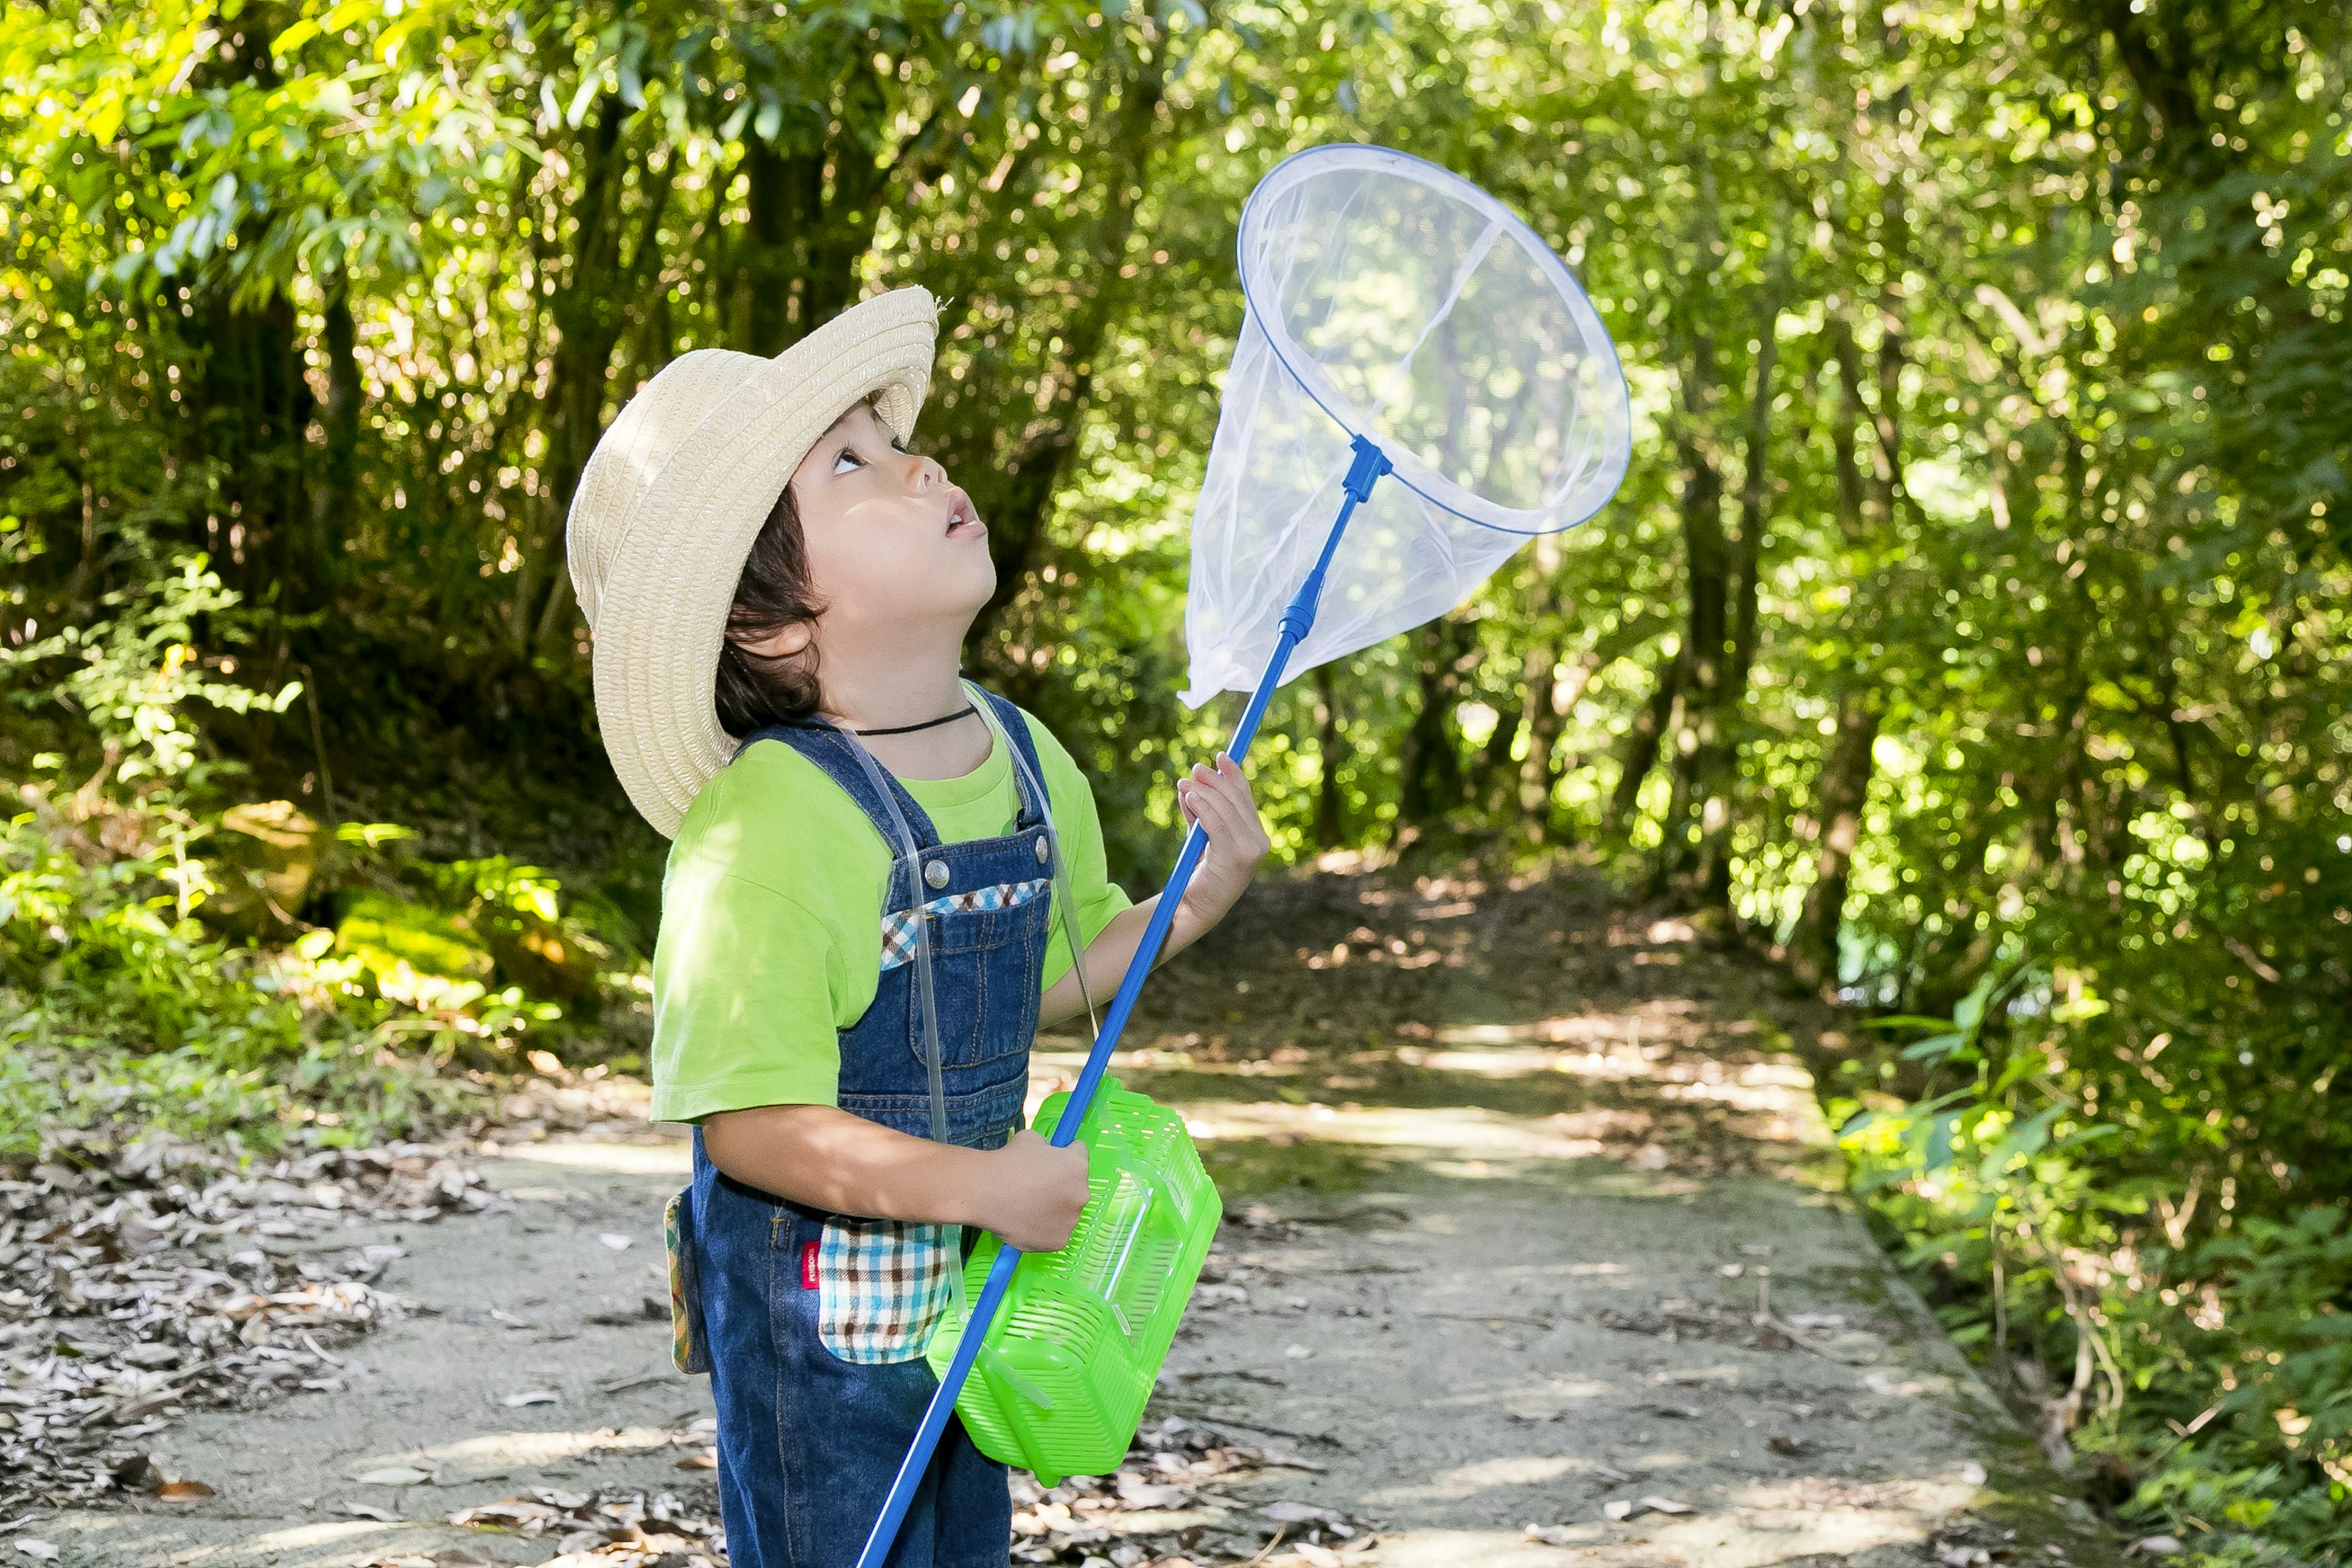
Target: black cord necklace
926,724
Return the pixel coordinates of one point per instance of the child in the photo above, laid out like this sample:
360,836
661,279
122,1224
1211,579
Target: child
774,582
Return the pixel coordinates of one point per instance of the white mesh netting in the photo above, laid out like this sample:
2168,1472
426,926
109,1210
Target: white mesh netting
1390,299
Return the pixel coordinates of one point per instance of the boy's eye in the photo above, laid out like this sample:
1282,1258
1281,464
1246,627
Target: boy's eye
850,458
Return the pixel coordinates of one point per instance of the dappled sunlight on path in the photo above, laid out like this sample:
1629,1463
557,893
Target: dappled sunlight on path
1535,1256
1530,1021
1539,1249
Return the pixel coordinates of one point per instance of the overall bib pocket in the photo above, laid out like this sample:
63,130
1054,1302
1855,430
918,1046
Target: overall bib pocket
985,939
881,1284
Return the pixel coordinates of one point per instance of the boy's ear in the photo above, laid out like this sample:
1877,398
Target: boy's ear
791,640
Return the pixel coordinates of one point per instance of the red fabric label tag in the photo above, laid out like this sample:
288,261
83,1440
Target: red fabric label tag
808,1266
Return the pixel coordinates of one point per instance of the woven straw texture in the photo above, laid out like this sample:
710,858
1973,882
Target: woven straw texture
670,501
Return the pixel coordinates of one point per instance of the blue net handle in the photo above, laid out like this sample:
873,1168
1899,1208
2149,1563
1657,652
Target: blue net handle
1365,468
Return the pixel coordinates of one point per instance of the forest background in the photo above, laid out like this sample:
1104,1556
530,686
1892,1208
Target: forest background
1971,638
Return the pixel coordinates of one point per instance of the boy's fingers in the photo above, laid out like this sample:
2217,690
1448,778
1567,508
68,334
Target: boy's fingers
1226,797
1235,821
1213,816
1225,780
1203,807
1220,799
1237,805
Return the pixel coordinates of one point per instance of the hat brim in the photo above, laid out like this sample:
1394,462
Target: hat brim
661,618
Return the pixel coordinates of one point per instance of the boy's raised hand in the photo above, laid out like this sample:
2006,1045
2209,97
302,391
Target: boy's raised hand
1219,799
1038,1192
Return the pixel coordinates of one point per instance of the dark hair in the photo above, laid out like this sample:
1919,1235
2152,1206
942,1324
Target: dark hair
755,690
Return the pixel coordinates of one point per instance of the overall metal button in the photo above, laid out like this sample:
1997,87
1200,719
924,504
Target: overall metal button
1043,854
936,873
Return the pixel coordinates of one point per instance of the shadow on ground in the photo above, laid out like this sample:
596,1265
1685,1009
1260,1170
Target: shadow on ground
1540,1244
1535,1255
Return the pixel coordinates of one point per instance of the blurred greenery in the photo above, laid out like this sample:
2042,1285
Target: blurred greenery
1970,636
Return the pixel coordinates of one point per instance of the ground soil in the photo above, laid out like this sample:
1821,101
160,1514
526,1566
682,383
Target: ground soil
1532,1215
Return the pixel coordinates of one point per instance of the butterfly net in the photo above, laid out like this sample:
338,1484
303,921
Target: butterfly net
1390,299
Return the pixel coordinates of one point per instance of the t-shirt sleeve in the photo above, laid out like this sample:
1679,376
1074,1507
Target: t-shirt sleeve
742,1002
1080,828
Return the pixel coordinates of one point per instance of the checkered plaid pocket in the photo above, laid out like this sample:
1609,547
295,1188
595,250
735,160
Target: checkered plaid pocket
898,925
686,1346
882,1286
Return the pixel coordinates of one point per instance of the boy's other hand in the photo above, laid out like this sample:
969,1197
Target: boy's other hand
1038,1192
1219,799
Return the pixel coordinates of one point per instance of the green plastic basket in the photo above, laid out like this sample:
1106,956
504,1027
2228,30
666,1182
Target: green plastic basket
1061,1380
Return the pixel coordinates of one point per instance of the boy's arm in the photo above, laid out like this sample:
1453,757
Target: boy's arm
1028,1192
1220,800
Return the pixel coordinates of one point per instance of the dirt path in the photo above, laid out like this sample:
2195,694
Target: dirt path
1533,1218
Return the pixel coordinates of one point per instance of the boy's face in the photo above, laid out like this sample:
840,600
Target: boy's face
890,541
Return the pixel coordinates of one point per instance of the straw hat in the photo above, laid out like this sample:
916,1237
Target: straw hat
670,501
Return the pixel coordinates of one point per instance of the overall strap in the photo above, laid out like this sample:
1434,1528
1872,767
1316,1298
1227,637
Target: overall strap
830,751
1015,725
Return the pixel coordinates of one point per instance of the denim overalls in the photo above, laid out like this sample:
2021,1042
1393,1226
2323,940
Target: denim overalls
815,1323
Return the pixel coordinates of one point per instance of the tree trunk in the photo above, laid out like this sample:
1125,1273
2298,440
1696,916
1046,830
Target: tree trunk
1501,782
768,271
1868,517
1643,739
1707,775
853,207
1330,751
1840,794
1547,711
1015,492
1494,777
251,406
1844,456
1429,767
257,406
1842,786
589,311
335,501
1690,861
2180,126
1747,554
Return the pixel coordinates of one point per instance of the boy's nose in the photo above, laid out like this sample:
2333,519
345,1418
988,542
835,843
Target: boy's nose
925,474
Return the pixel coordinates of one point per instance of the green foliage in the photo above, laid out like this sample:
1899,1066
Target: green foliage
133,675
2219,1372
123,1004
390,935
120,1007
1974,628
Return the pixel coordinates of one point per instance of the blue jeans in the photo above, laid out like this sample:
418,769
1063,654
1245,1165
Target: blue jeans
815,1323
809,1441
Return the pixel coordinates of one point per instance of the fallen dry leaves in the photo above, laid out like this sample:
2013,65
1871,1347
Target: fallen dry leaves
138,1279
613,1528
1168,1508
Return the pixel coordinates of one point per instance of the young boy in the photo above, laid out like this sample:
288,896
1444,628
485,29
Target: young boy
774,582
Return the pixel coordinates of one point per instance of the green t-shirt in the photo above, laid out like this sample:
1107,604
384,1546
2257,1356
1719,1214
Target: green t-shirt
771,918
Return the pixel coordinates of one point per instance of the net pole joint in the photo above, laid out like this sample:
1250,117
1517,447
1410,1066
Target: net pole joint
1363,472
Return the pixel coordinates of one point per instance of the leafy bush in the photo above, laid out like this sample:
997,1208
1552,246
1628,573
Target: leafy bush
120,1005
2211,1379
122,1002
132,674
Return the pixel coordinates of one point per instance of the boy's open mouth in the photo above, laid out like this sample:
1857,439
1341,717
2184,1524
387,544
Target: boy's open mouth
963,518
